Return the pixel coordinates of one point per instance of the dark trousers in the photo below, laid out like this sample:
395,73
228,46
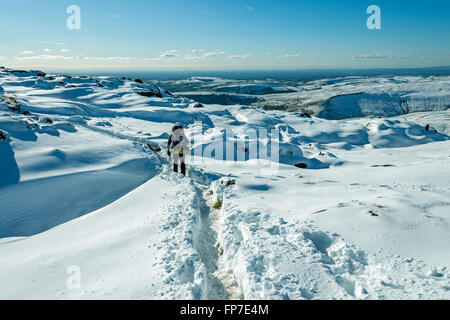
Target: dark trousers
177,157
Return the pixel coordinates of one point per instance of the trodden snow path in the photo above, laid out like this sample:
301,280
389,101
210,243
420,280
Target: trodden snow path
272,258
157,240
142,246
205,243
220,283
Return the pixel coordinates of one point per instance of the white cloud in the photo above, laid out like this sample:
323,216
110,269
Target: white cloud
378,56
250,8
195,51
289,56
399,57
27,52
206,55
48,50
209,55
113,16
111,59
239,56
117,59
44,57
169,54
370,56
65,50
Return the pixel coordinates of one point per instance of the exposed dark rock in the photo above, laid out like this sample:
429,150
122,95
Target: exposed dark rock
3,135
15,108
231,182
382,165
139,81
228,182
12,103
150,94
301,165
154,148
306,115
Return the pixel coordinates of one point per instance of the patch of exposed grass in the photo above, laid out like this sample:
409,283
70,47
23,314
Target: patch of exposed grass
218,204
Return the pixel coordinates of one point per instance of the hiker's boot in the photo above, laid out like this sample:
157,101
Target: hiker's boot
175,168
183,169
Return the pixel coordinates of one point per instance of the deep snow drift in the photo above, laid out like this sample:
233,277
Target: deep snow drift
85,183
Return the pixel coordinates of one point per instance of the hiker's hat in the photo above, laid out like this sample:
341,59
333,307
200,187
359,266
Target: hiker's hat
176,127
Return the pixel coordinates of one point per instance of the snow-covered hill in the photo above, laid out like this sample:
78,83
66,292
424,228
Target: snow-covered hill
85,182
339,98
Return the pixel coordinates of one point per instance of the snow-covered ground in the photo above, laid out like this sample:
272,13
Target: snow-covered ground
339,98
86,192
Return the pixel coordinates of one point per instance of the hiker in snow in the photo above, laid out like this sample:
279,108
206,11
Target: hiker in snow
178,145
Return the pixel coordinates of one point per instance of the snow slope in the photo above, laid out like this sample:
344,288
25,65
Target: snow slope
122,250
84,186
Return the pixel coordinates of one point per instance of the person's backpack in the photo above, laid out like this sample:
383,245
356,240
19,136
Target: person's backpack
178,137
176,142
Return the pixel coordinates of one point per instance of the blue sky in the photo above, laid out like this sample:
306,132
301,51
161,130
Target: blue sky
223,34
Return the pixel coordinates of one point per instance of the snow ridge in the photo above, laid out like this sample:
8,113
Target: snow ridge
185,273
